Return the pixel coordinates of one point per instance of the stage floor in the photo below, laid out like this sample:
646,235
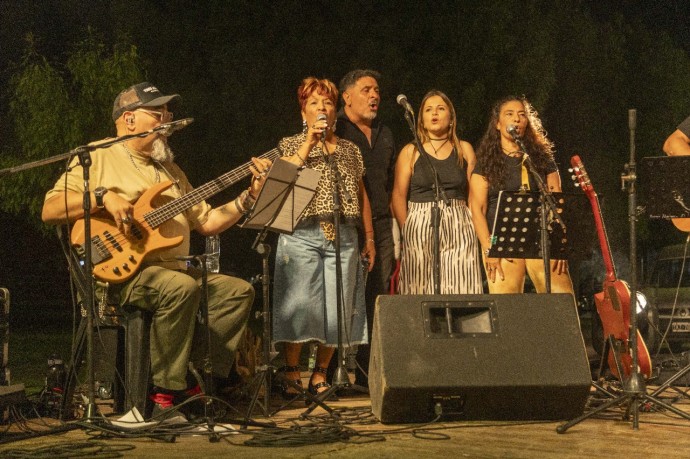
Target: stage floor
358,435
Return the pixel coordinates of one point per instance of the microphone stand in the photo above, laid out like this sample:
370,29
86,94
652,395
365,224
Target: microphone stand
439,194
340,377
546,201
634,388
84,154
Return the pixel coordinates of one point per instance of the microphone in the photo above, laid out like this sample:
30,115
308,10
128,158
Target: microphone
168,128
322,117
512,130
402,100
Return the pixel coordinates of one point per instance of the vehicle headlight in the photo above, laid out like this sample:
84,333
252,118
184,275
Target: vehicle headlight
641,302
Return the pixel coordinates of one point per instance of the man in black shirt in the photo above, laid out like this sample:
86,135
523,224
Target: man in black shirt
357,123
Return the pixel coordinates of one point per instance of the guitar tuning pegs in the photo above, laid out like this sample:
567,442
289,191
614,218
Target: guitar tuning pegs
570,169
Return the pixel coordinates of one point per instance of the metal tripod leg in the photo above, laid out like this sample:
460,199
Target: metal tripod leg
669,382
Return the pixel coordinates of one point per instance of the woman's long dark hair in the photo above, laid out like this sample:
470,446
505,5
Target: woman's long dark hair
490,156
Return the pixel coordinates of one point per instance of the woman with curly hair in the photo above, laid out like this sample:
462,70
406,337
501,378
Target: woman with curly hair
413,198
500,167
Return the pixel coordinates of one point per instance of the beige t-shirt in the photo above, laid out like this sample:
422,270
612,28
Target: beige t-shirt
130,174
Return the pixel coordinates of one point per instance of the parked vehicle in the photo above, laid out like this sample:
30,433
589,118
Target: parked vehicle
671,300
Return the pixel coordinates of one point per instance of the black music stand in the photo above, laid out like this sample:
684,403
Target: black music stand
664,186
516,227
666,199
285,194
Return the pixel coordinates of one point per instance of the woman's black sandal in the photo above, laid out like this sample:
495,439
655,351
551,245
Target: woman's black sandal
314,388
285,387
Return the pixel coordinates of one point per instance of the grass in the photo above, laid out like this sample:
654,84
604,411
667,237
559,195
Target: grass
29,349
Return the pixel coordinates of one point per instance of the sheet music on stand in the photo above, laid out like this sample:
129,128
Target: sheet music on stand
516,227
665,187
288,190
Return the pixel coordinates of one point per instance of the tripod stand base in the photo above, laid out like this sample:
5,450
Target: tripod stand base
634,398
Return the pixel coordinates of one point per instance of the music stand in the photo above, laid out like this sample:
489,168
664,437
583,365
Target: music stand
666,199
669,197
287,191
516,226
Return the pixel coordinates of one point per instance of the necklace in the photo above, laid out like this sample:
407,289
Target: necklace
131,158
445,141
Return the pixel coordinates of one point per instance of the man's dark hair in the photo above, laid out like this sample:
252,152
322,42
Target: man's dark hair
351,78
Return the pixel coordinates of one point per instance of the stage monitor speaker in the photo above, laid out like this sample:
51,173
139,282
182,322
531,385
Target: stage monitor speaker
477,357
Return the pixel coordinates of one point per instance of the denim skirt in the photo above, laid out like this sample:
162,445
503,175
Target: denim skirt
304,288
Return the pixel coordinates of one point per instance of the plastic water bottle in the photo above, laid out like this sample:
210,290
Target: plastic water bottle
213,253
312,356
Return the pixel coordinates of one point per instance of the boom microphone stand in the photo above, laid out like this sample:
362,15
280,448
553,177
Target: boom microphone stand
83,153
634,389
546,201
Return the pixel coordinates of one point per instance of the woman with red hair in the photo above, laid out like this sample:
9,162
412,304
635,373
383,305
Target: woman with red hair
305,305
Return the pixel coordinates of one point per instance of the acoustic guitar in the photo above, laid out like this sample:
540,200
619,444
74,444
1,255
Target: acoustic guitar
116,257
682,224
613,303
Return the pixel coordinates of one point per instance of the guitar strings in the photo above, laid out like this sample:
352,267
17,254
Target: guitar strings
155,217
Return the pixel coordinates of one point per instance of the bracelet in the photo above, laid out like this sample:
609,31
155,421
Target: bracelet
238,204
486,251
245,202
370,240
300,159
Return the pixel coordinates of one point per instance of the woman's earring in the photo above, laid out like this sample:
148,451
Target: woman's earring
304,126
334,123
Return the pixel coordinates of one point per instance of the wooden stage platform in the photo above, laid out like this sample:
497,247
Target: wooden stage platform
356,434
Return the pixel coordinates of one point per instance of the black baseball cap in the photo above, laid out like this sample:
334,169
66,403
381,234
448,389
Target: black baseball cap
140,95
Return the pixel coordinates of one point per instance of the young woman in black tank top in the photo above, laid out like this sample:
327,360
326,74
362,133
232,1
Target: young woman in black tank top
413,198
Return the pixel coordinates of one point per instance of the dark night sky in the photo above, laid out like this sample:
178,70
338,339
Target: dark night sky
669,17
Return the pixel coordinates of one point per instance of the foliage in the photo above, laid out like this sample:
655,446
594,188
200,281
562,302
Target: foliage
54,108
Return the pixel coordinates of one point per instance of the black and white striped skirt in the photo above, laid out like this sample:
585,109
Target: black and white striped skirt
459,261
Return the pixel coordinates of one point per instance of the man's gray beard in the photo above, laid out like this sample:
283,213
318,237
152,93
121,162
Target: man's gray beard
161,151
370,115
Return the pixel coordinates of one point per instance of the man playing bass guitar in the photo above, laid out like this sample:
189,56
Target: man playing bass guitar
159,281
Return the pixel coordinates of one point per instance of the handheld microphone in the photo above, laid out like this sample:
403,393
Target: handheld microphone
322,117
168,128
402,100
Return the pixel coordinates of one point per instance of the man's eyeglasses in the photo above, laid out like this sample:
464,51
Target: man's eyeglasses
162,117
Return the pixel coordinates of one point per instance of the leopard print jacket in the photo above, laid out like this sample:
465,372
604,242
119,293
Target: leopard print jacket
351,167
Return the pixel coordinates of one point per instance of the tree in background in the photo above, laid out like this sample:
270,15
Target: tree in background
54,107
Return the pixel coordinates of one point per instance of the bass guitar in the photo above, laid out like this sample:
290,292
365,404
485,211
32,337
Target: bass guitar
116,257
613,303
